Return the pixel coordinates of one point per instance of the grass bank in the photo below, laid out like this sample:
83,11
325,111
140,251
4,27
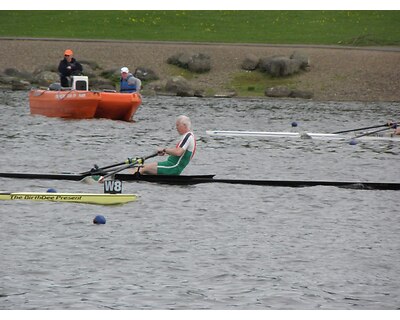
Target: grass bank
358,28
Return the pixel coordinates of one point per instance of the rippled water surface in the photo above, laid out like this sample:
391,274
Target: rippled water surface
209,246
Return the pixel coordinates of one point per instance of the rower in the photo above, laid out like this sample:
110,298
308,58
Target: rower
396,128
179,156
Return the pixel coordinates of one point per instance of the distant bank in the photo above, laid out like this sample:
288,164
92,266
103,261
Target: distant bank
336,73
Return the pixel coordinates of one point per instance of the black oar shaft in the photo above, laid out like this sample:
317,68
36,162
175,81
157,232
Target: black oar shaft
130,165
99,170
364,128
371,132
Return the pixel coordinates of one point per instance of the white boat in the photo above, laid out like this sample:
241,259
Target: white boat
90,198
302,135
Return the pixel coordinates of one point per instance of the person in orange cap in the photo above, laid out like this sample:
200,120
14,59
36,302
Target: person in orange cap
68,67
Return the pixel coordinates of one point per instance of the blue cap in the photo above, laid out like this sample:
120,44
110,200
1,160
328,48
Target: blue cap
99,219
51,190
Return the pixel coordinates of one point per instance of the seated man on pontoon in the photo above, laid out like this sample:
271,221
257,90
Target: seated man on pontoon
68,67
129,83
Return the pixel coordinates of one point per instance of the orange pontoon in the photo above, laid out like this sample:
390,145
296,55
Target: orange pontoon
64,104
84,104
118,106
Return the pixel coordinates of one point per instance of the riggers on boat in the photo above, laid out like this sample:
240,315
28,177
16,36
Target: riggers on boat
78,102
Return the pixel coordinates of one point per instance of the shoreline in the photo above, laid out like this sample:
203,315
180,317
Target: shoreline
336,73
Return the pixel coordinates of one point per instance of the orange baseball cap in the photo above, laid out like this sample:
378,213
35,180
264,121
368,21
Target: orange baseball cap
68,52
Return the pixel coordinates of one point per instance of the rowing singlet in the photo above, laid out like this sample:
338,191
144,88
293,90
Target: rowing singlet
174,165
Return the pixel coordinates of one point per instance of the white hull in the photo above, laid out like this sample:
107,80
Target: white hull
303,135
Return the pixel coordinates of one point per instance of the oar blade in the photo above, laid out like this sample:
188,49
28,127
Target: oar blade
90,179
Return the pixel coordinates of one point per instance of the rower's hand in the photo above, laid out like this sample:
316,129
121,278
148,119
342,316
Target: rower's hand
161,152
131,160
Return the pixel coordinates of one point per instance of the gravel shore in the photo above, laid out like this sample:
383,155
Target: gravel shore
336,74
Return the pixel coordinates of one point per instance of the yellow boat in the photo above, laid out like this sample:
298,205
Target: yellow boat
90,198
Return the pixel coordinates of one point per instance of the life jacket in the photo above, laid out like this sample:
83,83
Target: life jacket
125,87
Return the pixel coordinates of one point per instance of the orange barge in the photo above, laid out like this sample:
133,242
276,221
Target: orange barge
84,104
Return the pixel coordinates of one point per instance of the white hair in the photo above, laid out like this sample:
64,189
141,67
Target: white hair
185,121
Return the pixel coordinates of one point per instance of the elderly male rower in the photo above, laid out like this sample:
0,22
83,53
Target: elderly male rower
179,156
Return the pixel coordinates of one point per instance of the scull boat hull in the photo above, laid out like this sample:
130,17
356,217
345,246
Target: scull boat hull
303,135
88,198
197,179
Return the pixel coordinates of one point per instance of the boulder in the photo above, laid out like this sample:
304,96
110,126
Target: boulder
301,94
93,64
303,60
88,71
285,92
6,80
45,78
145,74
101,84
23,75
279,66
11,72
180,59
264,64
278,92
20,85
250,62
50,67
199,63
111,74
180,86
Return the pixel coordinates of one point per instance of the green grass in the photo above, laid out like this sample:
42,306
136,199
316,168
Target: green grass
357,28
253,84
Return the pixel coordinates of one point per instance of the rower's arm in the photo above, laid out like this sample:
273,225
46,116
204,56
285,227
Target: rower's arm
174,151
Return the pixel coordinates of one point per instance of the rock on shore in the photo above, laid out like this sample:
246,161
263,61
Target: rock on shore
339,74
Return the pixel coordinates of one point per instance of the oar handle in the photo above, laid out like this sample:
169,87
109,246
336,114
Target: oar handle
127,166
99,170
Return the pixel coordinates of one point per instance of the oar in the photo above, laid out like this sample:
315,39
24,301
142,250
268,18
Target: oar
372,132
127,166
97,170
364,128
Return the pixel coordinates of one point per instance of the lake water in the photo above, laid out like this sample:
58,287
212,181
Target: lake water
210,246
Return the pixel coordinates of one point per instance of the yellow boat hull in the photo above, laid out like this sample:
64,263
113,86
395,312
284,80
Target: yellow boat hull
90,198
